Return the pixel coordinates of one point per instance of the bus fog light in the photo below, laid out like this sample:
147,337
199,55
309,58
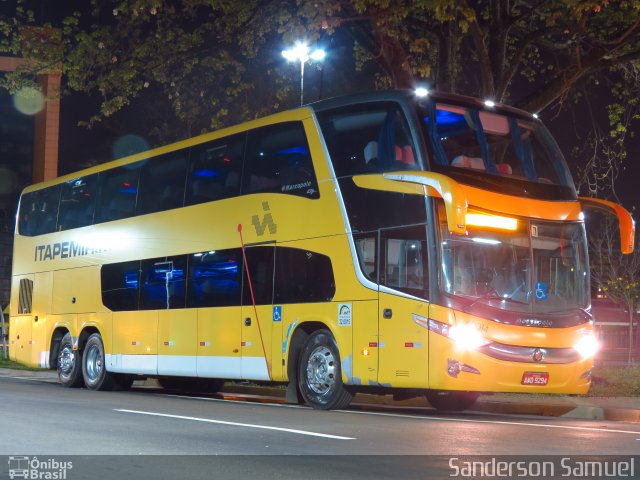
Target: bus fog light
467,337
587,346
454,367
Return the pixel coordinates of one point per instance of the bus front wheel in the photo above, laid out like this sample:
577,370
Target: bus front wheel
69,360
320,373
94,372
451,401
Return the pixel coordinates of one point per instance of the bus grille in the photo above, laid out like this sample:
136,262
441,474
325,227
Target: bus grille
513,353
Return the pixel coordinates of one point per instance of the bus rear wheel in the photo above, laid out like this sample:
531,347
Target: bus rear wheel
69,364
320,373
94,372
451,401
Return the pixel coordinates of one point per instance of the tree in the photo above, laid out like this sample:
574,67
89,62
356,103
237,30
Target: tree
217,62
616,275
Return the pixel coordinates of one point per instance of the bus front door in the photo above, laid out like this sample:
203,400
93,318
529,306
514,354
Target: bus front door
403,341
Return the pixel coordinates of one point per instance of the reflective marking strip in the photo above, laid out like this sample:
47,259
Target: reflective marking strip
408,344
168,344
135,344
247,425
205,344
373,344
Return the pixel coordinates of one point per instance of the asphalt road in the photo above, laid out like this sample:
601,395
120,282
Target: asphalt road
41,418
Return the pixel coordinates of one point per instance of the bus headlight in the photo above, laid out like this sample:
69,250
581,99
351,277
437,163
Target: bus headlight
467,337
587,346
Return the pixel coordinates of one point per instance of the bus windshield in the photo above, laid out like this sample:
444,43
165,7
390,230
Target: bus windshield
488,148
538,267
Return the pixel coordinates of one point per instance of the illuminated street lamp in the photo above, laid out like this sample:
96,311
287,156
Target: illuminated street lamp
300,53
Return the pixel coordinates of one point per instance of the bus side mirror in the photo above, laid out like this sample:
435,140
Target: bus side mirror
625,221
455,198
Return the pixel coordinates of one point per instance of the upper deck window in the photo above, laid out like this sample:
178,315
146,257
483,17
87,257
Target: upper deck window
162,183
77,202
216,168
39,211
369,138
473,145
278,160
118,193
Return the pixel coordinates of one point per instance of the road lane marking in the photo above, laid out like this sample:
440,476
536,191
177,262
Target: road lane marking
495,422
236,424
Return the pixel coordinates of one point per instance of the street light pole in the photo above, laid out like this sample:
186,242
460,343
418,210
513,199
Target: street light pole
300,53
302,82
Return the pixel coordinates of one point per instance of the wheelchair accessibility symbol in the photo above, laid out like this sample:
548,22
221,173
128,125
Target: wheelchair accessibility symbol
277,313
541,291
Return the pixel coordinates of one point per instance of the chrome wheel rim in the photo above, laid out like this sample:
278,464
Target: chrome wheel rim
321,370
93,363
66,361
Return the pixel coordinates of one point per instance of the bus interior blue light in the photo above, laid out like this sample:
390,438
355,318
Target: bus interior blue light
206,173
221,269
299,150
128,191
446,118
131,279
161,275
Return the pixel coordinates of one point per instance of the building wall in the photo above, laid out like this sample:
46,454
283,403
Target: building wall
28,154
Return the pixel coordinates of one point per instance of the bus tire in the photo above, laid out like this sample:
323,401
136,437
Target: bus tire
451,401
320,373
69,364
94,370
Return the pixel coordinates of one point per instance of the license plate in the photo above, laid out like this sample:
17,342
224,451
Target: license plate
535,378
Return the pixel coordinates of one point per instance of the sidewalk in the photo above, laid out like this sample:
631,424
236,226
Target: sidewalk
621,409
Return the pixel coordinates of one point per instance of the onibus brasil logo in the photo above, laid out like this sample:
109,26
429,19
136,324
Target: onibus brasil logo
33,468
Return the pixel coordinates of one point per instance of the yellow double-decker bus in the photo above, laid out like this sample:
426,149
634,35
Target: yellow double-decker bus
384,242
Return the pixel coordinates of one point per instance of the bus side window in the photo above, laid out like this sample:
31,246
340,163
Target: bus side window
215,170
162,183
120,282
39,212
260,263
303,276
118,193
214,279
278,160
367,249
163,283
77,202
404,260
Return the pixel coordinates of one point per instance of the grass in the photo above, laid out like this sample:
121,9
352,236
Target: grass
14,365
615,382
